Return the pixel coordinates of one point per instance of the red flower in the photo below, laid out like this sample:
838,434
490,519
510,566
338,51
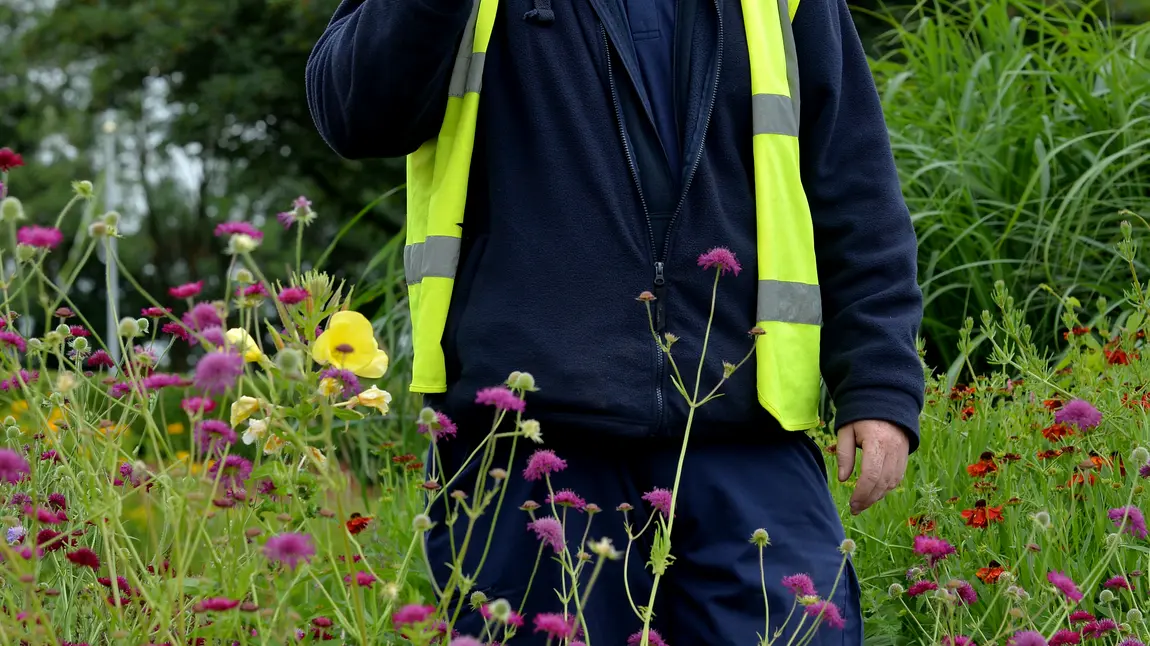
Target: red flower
84,557
984,465
1049,454
990,573
924,524
357,523
1052,404
9,159
1075,331
1055,432
967,413
1117,357
982,515
1011,457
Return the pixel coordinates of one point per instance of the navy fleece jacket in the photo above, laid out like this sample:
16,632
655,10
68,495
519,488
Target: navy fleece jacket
570,213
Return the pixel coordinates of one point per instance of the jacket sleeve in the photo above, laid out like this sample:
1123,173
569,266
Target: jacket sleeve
865,241
377,80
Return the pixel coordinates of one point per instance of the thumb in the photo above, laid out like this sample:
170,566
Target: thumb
846,452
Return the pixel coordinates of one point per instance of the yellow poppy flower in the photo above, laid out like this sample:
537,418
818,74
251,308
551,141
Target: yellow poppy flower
240,339
349,343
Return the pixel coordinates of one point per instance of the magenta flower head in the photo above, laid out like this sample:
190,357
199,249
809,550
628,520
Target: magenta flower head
1130,520
829,612
233,228
921,587
40,237
412,614
289,548
1065,637
965,591
293,295
202,316
1096,629
1117,583
216,604
800,585
653,638
216,372
660,499
13,466
464,640
542,463
1080,413
232,470
1131,641
958,640
934,549
11,339
441,428
501,398
721,258
1065,585
555,626
187,290
567,498
214,436
198,405
1027,638
550,531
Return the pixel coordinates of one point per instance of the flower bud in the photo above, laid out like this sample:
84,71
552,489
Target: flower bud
1134,616
13,432
500,609
84,189
422,523
63,330
129,328
1042,519
26,253
847,547
241,243
645,297
1006,577
477,599
111,219
427,417
244,276
289,360
98,229
895,590
80,344
11,210
670,339
9,421
498,474
1140,456
35,344
760,537
1106,596
143,324
525,381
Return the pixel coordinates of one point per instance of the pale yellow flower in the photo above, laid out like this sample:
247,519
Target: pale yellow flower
273,445
239,339
243,408
330,387
257,429
374,398
318,455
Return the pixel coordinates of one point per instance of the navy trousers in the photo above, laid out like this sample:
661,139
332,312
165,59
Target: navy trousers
711,593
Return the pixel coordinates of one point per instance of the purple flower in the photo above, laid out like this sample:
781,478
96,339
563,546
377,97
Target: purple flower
1117,583
653,638
40,237
543,463
722,258
289,549
568,498
216,372
233,471
549,530
966,593
13,466
800,585
554,625
464,640
160,380
216,604
20,378
660,499
501,398
345,378
1144,470
830,613
412,614
364,579
934,549
214,436
214,336
958,640
13,340
1027,638
293,295
202,316
233,228
198,405
1130,641
1065,585
286,218
442,427
1080,413
1129,520
921,587
1096,629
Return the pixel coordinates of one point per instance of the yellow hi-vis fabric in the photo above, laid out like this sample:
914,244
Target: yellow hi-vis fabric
789,302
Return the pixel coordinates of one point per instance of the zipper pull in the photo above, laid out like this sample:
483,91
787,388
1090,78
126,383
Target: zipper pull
660,296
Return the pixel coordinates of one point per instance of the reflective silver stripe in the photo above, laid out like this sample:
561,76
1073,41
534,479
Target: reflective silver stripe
773,114
460,74
788,302
475,73
436,257
792,58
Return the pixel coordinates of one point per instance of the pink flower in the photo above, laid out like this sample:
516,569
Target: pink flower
187,290
13,340
293,295
830,613
1130,641
233,228
555,626
290,548
1096,629
202,316
549,530
13,466
568,498
1027,638
364,579
252,291
464,640
84,557
198,405
1117,583
1065,585
9,159
542,463
800,585
412,614
235,470
18,380
966,593
216,372
501,398
1079,412
660,499
40,237
155,312
177,330
958,640
78,330
653,638
214,436
722,258
160,380
442,427
1065,637
57,501
934,549
1080,616
921,587
1130,520
100,359
216,604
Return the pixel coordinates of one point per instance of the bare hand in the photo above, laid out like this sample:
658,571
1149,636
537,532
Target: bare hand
884,452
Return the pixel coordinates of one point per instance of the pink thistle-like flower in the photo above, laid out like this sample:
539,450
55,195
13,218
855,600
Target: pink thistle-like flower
465,640
100,359
44,515
1079,412
216,372
723,259
501,398
653,638
214,436
13,340
233,228
1065,637
554,625
13,466
1065,585
40,237
198,405
412,614
289,549
1117,583
19,379
1081,616
155,312
1096,629
9,159
364,579
800,585
202,316
1144,470
187,290
46,539
159,380
57,501
216,604
252,291
84,557
49,456
1130,520
443,428
78,331
549,530
958,640
286,218
543,463
921,587
660,499
568,498
1027,638
293,295
830,613
177,330
934,549
232,470
1130,641
966,593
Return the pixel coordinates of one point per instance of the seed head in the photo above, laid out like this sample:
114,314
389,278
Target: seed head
427,416
241,243
895,590
500,609
1105,596
498,474
1134,616
97,229
289,360
522,381
477,599
63,330
670,338
84,189
847,547
245,276
531,430
11,210
129,328
80,344
1140,456
112,219
422,523
728,369
1042,519
760,537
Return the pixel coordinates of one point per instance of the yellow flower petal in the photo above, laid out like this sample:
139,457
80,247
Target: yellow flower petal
240,339
374,368
242,409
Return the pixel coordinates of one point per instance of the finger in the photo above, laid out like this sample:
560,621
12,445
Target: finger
870,475
846,452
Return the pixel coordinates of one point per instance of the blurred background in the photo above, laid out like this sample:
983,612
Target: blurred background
1021,130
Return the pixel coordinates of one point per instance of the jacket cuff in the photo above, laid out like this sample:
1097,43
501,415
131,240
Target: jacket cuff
884,404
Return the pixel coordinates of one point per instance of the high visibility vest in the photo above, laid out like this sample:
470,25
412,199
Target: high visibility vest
789,309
